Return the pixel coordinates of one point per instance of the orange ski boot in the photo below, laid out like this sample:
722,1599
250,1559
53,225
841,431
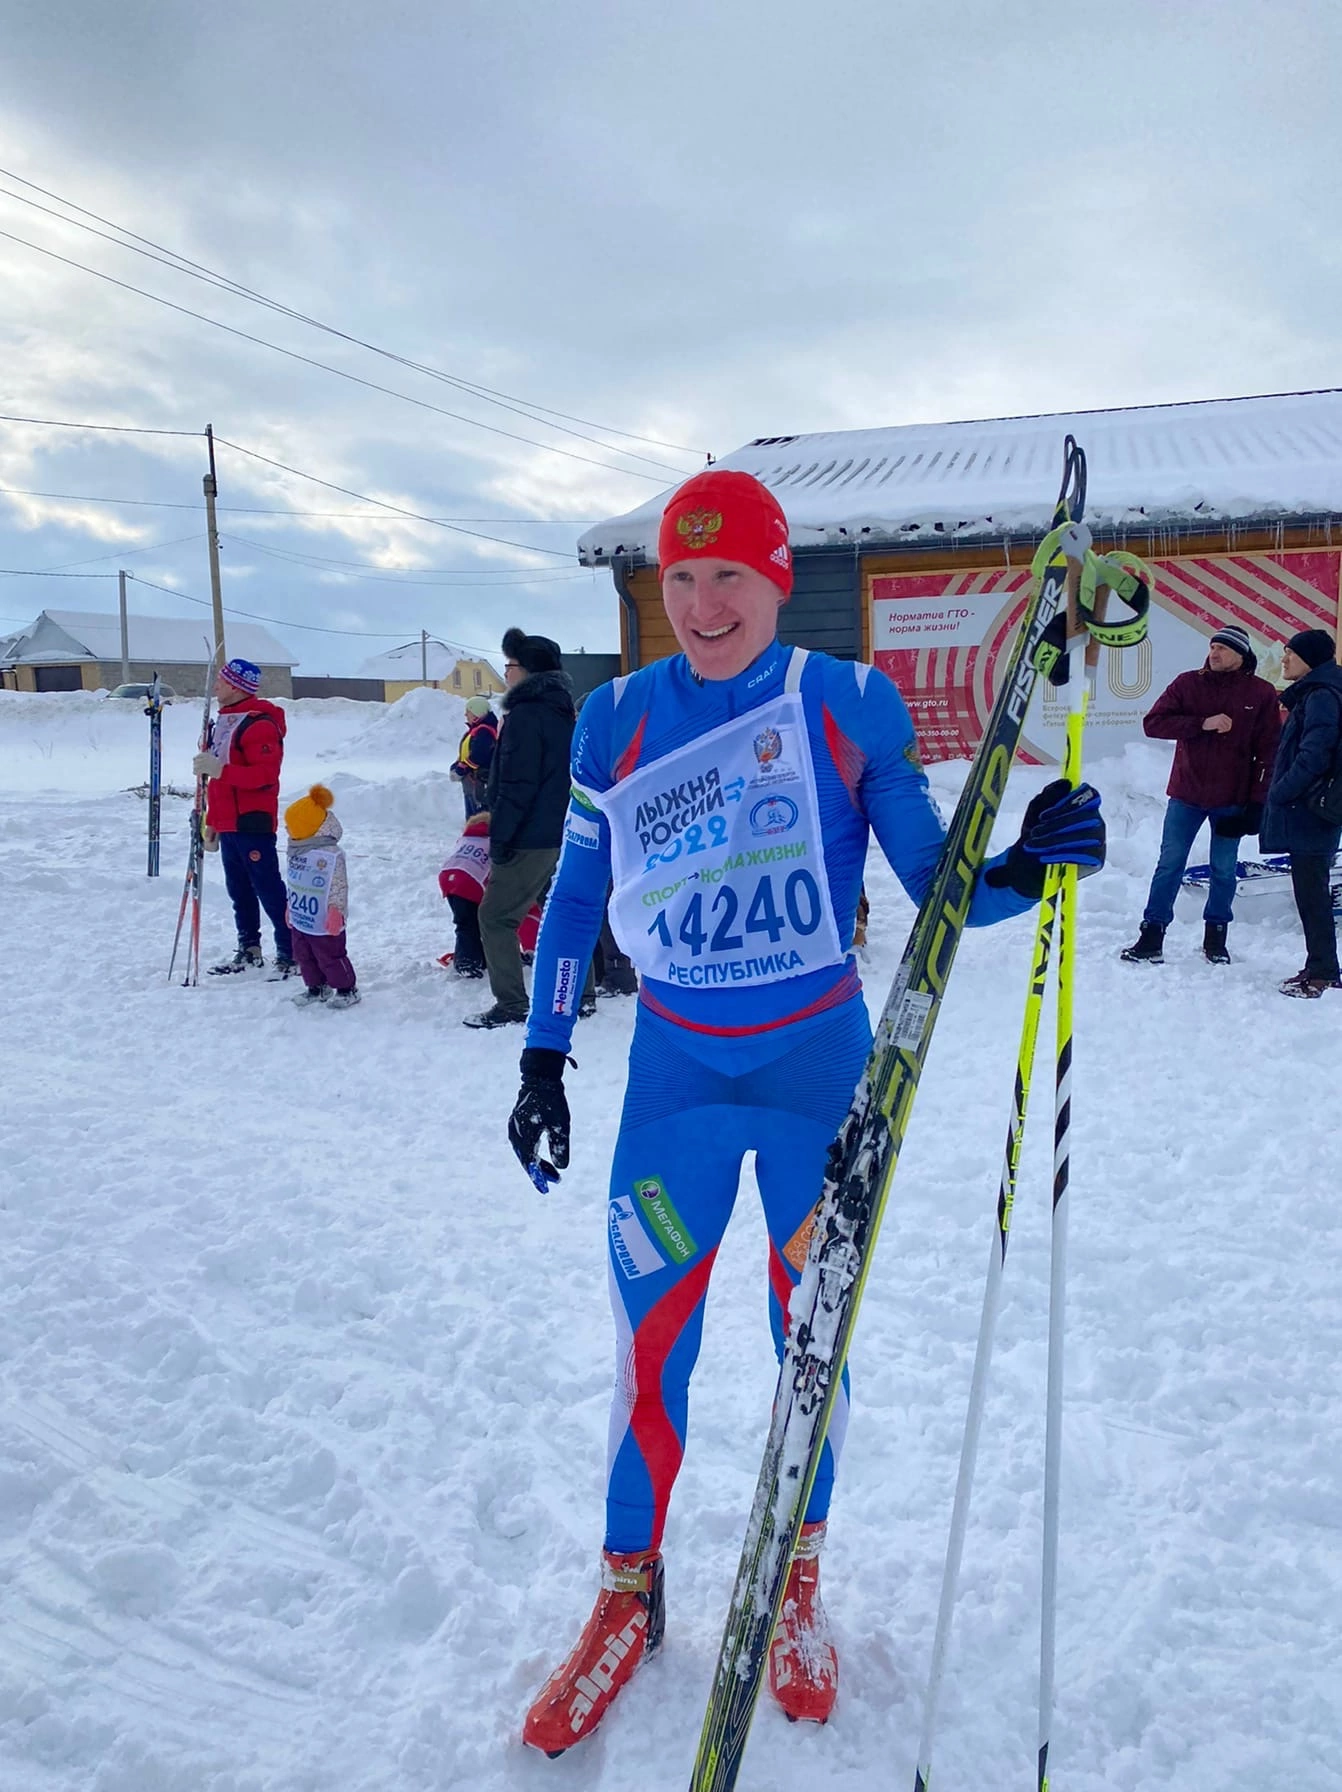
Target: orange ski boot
803,1668
626,1625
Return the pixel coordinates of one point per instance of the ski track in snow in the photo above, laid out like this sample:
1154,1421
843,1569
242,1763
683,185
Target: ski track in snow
303,1389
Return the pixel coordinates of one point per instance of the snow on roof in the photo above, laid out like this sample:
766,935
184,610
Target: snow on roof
402,663
165,640
1217,461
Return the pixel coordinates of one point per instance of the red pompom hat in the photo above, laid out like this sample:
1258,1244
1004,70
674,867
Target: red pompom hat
727,516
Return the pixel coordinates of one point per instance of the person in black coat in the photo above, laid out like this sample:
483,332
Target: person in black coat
1307,753
527,797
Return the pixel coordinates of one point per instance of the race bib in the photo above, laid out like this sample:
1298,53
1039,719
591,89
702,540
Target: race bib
717,855
308,877
224,726
470,859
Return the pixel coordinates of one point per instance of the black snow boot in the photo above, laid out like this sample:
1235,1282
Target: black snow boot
246,958
1149,947
1214,942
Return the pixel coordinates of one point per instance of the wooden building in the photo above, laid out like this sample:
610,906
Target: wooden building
912,546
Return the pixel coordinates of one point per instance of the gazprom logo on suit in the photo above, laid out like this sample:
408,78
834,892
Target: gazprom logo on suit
773,815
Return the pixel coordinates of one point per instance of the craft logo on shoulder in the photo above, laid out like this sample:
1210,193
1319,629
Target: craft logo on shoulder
775,814
699,528
768,745
663,1220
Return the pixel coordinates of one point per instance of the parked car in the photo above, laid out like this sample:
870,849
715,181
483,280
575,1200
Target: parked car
139,693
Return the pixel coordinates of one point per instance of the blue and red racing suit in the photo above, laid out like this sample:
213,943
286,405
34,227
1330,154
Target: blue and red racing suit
734,818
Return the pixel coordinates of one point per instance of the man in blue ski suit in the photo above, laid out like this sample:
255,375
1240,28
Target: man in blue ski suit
729,792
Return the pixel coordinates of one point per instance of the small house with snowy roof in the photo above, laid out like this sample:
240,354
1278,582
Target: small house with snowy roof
74,650
912,546
431,662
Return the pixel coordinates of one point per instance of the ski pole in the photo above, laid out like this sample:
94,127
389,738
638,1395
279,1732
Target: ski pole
195,861
155,714
1063,879
1125,576
1074,543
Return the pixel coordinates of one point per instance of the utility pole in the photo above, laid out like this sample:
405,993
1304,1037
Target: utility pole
424,656
212,528
125,629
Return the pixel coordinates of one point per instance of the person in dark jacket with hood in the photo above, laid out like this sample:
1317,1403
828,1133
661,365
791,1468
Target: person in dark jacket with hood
1225,721
1308,752
527,797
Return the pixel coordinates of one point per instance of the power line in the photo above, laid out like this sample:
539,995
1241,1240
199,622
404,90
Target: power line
341,373
125,553
384,504
18,491
27,572
426,575
122,429
197,270
346,491
310,628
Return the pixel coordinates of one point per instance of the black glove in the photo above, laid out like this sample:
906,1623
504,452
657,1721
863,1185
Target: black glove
1062,826
502,855
1247,819
541,1107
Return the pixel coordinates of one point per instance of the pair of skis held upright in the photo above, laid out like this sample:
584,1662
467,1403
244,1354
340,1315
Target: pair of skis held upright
193,886
1066,601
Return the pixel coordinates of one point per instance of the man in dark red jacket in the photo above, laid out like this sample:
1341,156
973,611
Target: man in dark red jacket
243,764
1225,721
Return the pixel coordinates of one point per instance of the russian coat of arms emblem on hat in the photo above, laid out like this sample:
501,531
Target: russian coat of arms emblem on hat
699,528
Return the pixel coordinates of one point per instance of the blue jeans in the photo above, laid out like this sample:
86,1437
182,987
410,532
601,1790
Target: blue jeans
1182,821
254,881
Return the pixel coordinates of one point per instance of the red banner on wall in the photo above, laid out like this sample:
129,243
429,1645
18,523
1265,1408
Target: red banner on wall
943,638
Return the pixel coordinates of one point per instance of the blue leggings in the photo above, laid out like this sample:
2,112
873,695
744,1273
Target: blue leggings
693,1107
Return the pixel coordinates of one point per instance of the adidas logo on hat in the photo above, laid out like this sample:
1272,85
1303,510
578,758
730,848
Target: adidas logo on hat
780,555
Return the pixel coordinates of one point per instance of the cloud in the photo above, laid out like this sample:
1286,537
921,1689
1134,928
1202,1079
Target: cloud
699,227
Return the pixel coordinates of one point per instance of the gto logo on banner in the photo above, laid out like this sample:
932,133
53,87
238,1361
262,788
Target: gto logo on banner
943,638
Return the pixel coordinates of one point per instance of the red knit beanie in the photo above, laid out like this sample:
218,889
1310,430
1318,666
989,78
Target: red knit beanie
729,516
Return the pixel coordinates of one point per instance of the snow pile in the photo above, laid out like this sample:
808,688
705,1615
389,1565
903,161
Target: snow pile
430,803
303,1397
67,741
424,725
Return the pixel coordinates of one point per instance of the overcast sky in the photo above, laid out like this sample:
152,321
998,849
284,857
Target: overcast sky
696,224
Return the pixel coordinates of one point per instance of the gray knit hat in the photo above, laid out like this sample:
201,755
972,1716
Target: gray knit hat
1236,639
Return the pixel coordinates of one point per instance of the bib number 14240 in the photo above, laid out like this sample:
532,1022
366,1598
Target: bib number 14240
722,927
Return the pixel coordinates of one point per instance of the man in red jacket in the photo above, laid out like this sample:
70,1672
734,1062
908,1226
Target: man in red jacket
1224,721
242,765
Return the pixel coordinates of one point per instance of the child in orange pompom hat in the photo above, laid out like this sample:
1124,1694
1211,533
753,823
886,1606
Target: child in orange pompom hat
318,901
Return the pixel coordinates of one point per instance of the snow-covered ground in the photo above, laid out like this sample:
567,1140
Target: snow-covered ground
303,1387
